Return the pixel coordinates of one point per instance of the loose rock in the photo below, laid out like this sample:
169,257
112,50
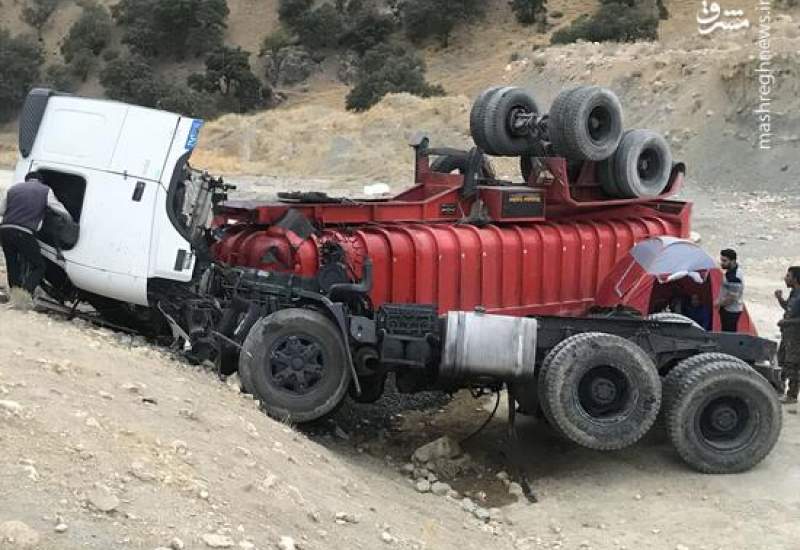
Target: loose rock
444,447
214,540
287,543
423,486
440,489
102,499
18,535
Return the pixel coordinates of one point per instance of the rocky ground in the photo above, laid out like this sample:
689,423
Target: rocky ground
111,443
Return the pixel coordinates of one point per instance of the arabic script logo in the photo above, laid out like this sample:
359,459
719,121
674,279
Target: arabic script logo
712,18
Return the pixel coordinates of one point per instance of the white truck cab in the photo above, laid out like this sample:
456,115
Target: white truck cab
128,167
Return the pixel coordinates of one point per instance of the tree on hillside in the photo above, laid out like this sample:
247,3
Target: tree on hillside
321,27
367,29
529,12
614,20
389,69
438,18
131,79
291,11
38,12
228,73
86,39
20,61
176,29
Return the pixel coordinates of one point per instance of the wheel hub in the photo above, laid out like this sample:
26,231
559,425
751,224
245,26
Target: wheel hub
295,364
724,418
604,391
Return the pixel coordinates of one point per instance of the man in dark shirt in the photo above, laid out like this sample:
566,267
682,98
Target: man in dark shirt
789,351
731,295
698,312
22,211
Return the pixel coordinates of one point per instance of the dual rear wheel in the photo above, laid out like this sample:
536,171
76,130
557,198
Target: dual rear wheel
603,392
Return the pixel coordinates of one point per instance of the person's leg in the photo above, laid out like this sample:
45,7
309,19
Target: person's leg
11,253
728,320
28,247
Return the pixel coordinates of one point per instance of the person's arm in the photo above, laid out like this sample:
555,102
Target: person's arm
54,204
783,302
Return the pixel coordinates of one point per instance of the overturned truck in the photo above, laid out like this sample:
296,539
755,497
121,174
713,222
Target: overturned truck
464,280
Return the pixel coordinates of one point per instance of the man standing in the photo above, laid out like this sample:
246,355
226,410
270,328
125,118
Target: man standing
731,295
22,210
789,352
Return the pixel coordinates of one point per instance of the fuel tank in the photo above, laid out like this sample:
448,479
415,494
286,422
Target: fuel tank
552,267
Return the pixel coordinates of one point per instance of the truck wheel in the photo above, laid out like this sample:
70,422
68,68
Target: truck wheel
586,123
295,363
725,419
496,126
672,381
668,317
478,115
542,376
642,164
448,164
607,174
602,391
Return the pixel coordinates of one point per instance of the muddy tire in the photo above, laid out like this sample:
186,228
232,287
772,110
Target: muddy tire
586,123
667,317
725,419
491,117
601,391
478,115
295,364
642,165
673,380
544,369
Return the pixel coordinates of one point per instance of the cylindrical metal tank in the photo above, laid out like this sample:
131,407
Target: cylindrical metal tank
514,269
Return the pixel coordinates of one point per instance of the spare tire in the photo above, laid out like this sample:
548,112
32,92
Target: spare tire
602,391
642,164
725,418
501,137
478,115
586,123
294,362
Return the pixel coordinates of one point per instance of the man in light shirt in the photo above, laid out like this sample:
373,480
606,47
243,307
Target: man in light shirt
22,212
731,295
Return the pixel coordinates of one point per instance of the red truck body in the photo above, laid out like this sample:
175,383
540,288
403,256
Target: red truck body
541,248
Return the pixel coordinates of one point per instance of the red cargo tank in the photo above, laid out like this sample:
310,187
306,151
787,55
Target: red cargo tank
550,267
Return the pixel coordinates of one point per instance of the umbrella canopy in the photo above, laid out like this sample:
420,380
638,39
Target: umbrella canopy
670,255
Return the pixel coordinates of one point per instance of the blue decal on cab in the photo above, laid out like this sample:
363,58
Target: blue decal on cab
194,134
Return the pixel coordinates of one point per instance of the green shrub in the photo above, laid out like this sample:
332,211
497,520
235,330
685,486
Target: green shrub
425,19
389,69
86,39
131,79
59,77
174,28
291,11
529,12
320,28
228,74
276,41
613,21
20,61
38,12
367,29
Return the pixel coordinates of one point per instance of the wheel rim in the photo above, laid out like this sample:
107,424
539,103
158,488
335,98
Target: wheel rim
296,364
604,392
599,124
726,423
648,165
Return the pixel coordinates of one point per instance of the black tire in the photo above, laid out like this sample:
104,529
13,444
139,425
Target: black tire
447,164
586,124
602,391
541,387
642,164
501,138
295,363
668,317
478,115
726,418
672,381
607,175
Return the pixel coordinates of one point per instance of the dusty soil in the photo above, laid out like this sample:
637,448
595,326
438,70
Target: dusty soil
185,455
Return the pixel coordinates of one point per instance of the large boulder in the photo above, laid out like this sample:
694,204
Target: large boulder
290,65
